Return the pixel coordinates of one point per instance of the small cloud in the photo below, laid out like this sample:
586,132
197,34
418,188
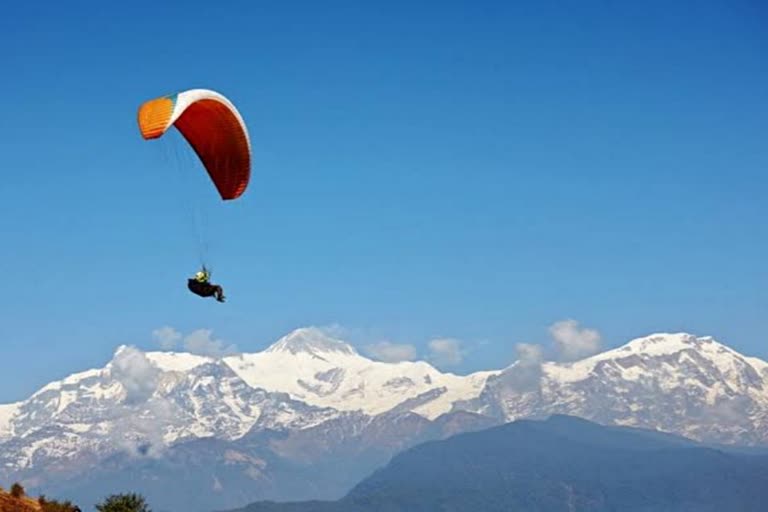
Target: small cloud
138,376
144,433
525,374
167,337
529,354
574,342
201,342
391,352
446,351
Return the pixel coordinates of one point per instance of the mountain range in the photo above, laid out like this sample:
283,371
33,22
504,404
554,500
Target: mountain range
309,417
562,464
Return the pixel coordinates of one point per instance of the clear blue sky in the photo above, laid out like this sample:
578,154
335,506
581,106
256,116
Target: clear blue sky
420,169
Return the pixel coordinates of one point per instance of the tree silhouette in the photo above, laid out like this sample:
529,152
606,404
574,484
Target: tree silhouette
131,502
17,491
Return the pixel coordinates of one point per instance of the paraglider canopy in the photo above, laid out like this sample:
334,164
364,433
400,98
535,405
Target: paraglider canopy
212,126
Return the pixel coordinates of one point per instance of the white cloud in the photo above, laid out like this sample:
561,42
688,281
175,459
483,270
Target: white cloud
525,374
574,342
144,432
391,352
167,337
201,342
529,354
446,351
136,373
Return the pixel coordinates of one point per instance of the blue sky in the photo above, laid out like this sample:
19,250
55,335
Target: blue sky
420,170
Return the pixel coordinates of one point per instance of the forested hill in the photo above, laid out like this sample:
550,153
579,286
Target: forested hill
561,464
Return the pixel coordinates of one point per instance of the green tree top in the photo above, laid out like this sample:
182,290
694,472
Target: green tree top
124,503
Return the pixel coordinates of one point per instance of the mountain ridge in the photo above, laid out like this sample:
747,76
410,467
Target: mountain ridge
558,464
312,403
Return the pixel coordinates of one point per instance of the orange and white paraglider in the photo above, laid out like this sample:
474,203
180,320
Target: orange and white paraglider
215,130
212,126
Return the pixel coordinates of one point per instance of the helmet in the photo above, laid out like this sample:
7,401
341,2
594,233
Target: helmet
200,276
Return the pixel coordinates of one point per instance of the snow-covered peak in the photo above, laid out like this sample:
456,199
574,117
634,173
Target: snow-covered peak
311,340
318,369
670,343
654,355
660,344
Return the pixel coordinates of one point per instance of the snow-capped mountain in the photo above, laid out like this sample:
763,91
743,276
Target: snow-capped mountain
309,416
326,372
675,383
141,404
